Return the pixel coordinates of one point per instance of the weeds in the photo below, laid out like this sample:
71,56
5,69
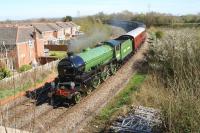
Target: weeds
119,102
123,98
173,84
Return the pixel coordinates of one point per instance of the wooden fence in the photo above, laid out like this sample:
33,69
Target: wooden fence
32,76
56,47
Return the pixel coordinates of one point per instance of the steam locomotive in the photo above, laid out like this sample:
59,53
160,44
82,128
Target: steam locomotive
79,73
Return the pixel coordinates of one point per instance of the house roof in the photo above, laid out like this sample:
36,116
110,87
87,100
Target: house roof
8,35
42,27
25,34
14,35
73,24
63,24
69,24
54,26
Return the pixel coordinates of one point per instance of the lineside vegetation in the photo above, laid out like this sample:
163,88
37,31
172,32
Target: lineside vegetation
173,81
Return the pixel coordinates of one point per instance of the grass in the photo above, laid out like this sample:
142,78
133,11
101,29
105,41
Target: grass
121,100
58,54
27,84
11,92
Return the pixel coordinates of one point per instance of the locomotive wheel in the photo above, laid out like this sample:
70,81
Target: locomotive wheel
96,82
77,97
52,101
105,74
89,91
113,69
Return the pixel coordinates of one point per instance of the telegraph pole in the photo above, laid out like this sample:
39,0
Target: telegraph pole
4,49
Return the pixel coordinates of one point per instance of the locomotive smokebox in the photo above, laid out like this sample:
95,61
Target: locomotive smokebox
70,54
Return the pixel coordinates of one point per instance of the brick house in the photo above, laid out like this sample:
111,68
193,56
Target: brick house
24,45
58,31
47,33
67,29
74,28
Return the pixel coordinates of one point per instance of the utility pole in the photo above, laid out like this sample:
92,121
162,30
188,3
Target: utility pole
5,49
6,52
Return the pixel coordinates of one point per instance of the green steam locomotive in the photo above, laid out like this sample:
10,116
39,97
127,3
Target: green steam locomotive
80,73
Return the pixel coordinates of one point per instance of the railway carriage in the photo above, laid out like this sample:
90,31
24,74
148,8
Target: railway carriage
79,73
138,36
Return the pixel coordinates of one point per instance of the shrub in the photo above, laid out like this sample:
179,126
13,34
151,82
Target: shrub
4,72
25,68
159,34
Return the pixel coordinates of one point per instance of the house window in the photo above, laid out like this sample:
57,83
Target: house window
30,43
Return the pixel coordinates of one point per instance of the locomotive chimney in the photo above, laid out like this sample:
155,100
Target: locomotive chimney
70,54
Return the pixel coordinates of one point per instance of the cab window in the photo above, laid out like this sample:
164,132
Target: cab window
118,47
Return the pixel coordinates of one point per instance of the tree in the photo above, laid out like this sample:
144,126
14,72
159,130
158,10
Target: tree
67,18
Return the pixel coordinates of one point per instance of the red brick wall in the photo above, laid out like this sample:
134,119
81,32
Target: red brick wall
55,34
58,34
25,54
39,47
47,36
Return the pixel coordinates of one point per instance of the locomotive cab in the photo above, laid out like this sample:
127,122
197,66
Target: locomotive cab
116,46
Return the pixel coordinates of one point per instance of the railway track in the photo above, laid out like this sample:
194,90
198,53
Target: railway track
44,121
27,116
23,113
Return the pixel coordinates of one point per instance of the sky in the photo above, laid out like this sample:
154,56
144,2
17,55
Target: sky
26,9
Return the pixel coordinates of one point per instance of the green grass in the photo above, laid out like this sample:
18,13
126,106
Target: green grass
4,93
58,54
11,92
122,99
